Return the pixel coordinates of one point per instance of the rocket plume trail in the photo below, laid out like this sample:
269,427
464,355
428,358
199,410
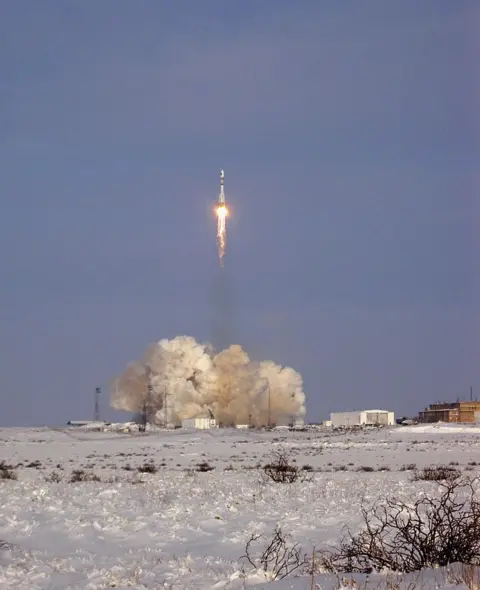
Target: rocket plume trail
221,232
222,213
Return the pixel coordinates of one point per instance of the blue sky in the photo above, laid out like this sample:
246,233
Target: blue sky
349,135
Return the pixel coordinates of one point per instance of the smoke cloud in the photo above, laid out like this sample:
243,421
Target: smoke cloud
196,382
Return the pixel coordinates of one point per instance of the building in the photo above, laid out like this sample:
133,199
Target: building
362,418
200,423
95,424
467,411
297,422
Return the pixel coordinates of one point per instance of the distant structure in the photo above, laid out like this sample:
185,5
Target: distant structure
297,422
200,422
96,409
466,411
362,418
78,423
92,425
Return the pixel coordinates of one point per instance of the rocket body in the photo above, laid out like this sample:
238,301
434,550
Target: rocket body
221,196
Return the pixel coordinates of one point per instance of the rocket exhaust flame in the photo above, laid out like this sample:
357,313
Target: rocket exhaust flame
222,213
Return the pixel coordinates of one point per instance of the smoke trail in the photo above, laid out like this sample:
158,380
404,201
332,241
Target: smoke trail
196,381
222,302
221,232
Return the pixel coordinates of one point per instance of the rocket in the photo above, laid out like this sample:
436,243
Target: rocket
221,196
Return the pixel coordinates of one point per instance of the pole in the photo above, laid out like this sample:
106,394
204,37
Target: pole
96,410
165,408
269,408
148,403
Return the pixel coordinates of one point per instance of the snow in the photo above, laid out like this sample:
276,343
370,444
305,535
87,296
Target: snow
441,428
183,529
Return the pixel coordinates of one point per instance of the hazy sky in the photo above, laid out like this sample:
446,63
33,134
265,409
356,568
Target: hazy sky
349,135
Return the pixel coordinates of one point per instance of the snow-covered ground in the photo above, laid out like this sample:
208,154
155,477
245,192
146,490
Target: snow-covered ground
182,529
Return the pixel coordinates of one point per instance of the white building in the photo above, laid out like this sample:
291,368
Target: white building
200,423
362,418
298,422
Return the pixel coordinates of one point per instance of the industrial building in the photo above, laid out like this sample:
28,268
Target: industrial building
467,411
362,418
88,424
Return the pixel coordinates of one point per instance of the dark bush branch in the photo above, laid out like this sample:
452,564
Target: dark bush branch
279,558
280,470
406,538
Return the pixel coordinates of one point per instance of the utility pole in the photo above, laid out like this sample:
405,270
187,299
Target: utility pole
149,402
146,407
269,408
165,407
96,411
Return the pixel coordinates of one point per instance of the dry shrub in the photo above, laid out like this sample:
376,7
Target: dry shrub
148,468
81,475
281,470
405,537
440,473
6,471
279,557
204,467
54,477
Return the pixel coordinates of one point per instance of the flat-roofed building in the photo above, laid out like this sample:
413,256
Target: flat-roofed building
466,411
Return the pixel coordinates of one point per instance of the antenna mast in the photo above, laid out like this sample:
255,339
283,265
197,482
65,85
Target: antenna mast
96,411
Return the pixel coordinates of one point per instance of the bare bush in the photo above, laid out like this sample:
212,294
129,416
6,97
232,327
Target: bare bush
281,470
81,475
204,467
440,473
34,465
405,537
6,471
148,468
54,477
279,558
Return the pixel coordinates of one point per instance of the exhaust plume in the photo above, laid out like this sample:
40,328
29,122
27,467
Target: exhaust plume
196,382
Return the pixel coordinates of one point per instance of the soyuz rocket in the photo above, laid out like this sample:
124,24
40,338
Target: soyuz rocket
221,196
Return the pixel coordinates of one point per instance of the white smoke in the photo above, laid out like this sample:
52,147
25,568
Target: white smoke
195,382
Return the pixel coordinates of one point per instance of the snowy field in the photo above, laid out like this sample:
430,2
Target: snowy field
181,528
